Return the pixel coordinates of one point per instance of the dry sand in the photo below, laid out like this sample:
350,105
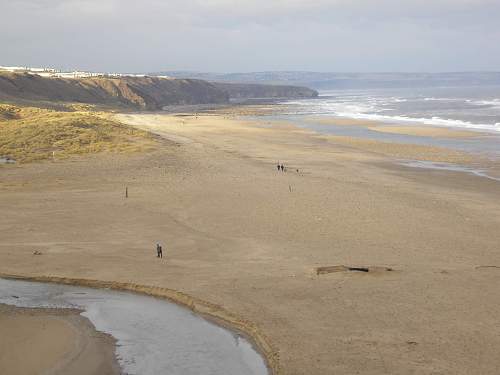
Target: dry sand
53,341
248,239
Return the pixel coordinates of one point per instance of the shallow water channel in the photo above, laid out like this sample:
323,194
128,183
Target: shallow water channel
153,336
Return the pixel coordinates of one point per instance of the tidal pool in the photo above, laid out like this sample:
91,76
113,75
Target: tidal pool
153,336
448,167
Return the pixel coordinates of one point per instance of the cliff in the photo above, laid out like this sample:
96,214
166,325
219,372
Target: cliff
260,91
146,93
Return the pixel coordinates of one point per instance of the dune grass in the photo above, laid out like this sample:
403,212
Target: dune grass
29,134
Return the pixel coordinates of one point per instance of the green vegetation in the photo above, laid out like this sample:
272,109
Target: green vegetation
29,134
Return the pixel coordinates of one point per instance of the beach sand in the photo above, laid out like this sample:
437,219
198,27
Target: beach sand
407,129
340,121
249,240
53,341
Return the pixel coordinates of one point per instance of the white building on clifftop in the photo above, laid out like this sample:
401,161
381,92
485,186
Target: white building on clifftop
50,72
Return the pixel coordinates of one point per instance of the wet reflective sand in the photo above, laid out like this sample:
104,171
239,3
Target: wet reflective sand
153,336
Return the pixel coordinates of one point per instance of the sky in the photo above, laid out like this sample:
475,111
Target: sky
252,35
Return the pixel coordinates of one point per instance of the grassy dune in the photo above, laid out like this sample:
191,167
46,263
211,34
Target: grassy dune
29,134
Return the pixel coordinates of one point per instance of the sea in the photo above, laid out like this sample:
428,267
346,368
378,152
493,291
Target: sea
474,107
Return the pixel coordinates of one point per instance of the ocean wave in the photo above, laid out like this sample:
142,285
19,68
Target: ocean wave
490,103
433,99
380,108
435,121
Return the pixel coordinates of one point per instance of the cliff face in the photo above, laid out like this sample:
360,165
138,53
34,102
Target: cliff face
148,93
145,93
259,91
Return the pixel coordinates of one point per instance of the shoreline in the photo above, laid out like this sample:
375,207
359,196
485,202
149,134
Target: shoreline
403,152
397,153
399,127
458,160
37,340
411,123
204,309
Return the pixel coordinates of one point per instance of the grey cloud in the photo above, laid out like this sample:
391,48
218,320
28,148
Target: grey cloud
224,35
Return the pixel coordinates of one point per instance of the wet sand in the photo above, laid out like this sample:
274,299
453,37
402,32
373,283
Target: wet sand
248,240
426,131
53,341
408,129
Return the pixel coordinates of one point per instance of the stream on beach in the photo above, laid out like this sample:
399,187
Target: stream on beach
153,336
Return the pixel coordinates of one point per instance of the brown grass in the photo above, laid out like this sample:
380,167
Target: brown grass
29,134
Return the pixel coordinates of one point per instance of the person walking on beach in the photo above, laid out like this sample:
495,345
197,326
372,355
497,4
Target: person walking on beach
159,252
282,168
278,166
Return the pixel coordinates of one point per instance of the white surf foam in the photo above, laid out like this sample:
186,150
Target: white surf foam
491,103
368,108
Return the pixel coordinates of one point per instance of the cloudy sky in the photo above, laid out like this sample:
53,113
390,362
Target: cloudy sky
252,35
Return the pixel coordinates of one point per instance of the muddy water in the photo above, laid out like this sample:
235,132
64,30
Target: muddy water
153,336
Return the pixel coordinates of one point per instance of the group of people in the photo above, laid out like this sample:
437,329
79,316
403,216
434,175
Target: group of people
281,167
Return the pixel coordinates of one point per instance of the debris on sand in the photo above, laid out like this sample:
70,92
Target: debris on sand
342,268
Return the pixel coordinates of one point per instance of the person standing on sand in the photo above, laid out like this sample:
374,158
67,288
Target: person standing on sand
160,252
282,168
278,166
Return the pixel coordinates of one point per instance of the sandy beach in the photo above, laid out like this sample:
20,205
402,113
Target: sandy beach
249,240
414,129
53,341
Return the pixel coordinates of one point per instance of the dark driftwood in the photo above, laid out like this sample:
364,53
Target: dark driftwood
341,268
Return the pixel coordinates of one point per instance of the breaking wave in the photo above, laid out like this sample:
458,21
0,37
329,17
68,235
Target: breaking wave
475,114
